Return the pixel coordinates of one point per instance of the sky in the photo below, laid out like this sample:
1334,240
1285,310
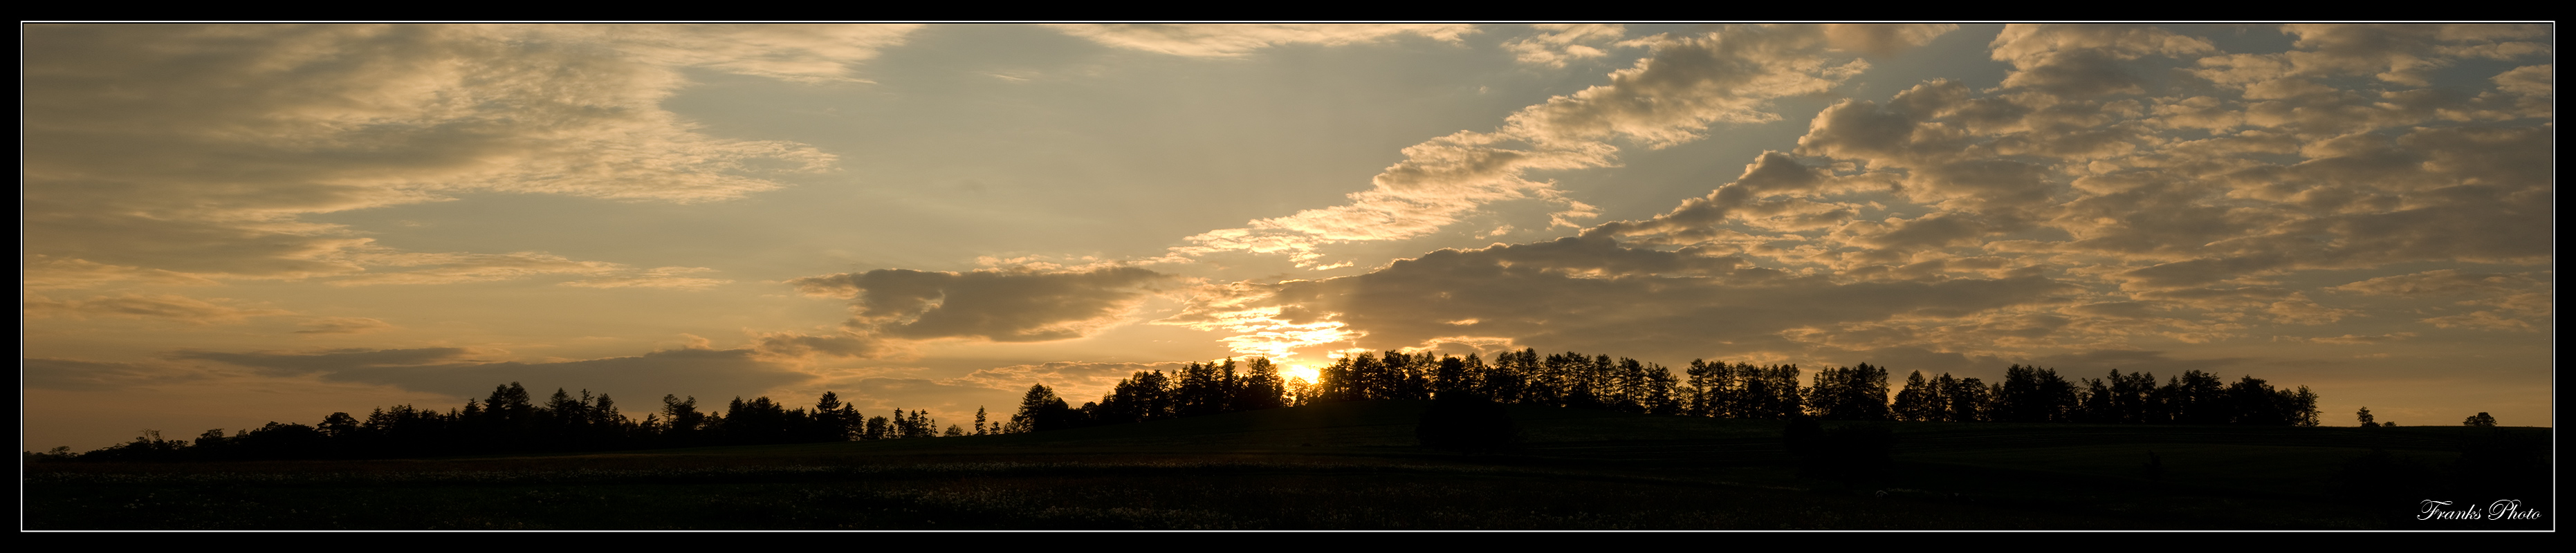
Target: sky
227,225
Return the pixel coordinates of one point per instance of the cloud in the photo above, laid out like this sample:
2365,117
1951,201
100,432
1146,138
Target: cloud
2135,361
1075,381
659,277
1688,83
75,375
2444,282
331,360
44,272
2402,54
450,268
2300,310
148,306
343,325
1592,293
2120,211
999,305
2353,339
1670,97
1252,323
194,149
1774,185
2494,320
1237,40
812,53
2090,175
1882,39
453,268
1557,43
708,373
844,344
2086,60
2514,301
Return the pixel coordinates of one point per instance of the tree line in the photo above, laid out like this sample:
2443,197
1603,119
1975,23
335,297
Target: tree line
1704,389
509,421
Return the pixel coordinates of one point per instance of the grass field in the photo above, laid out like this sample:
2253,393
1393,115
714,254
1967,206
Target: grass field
1340,466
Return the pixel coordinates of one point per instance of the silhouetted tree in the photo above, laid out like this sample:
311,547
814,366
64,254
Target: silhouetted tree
2367,421
1916,401
2033,394
1850,393
1769,392
1700,388
2197,398
1509,379
683,423
1970,400
146,447
2251,401
1262,388
1040,410
1202,391
1300,392
2302,406
2480,419
1663,391
834,421
1451,377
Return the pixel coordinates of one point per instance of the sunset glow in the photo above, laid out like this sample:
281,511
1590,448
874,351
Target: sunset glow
227,225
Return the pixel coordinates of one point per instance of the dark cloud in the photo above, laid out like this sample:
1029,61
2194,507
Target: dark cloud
2073,171
705,373
2090,364
147,306
331,360
2405,53
1774,184
846,344
343,325
1689,83
1237,40
1907,360
2201,272
2444,282
1883,40
195,148
2087,60
997,305
85,376
2121,309
1570,294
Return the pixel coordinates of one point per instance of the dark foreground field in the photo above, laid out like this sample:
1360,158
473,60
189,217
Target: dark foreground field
1356,466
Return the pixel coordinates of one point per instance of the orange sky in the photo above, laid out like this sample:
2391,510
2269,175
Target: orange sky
233,224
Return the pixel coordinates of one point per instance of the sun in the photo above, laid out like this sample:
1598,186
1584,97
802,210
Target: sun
1299,371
